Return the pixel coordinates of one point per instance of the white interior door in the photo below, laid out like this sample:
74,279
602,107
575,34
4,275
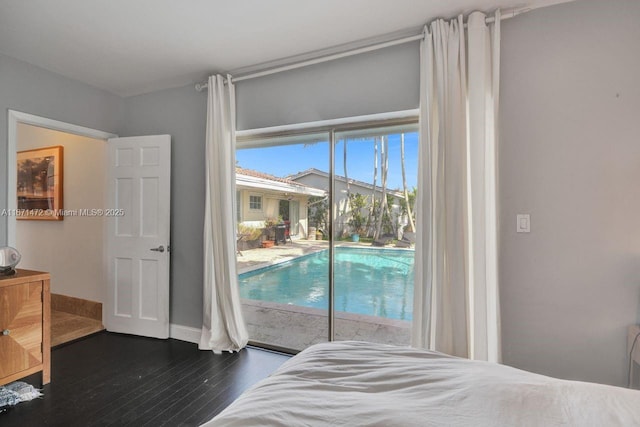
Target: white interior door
139,196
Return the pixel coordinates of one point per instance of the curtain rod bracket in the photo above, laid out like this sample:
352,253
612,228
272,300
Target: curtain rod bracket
202,86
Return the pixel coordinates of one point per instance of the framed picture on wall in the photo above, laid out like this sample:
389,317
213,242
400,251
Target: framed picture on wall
40,184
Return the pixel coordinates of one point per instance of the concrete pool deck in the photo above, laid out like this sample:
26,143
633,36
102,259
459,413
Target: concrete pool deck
296,327
253,259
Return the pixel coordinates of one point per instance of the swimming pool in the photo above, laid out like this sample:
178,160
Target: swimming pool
375,282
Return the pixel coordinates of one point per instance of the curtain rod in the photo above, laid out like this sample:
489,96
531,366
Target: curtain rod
201,86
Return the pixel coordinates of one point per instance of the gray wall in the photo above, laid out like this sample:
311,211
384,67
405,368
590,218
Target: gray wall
376,82
26,88
181,113
570,156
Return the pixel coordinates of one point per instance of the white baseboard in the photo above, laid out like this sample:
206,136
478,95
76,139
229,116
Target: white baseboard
185,333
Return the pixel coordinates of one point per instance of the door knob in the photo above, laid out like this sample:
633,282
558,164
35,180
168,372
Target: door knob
6,332
158,249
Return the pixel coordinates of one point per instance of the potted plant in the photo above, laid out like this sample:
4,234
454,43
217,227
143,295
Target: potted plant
269,228
249,237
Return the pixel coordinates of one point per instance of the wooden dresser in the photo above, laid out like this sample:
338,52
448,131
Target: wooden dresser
25,326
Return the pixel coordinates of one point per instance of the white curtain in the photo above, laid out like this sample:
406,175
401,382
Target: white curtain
223,327
456,301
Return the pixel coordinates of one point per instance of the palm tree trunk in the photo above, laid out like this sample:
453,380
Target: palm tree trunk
412,226
371,219
345,209
384,163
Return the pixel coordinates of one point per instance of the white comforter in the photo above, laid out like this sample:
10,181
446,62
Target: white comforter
363,384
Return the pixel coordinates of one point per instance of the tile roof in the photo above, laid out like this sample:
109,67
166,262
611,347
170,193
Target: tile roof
395,191
262,175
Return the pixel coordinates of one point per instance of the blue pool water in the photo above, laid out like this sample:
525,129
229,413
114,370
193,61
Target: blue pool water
374,282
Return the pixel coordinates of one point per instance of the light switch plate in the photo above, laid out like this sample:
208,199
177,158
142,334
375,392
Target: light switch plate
523,223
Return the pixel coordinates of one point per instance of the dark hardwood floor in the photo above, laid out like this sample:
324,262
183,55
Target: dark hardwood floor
120,380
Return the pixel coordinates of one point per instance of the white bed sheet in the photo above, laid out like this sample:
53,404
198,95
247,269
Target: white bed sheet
363,384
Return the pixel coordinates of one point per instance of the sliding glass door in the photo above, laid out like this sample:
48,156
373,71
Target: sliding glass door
282,254
375,187
326,235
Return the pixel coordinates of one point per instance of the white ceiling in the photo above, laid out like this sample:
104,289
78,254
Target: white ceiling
130,47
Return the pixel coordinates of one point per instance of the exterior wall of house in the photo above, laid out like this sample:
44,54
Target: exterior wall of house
270,207
253,216
318,181
315,181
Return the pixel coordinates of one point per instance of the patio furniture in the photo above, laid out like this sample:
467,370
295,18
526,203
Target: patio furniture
403,243
240,238
408,240
287,232
382,240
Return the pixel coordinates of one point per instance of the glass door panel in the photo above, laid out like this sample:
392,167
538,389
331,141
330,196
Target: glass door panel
283,186
374,234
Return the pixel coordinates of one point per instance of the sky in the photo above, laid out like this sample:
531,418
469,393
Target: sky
284,160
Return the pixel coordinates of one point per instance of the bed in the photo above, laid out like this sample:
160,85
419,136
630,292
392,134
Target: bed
353,383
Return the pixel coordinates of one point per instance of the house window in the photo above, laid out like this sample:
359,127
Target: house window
255,203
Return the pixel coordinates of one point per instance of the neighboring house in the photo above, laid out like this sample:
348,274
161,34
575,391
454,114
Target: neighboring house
320,179
262,197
